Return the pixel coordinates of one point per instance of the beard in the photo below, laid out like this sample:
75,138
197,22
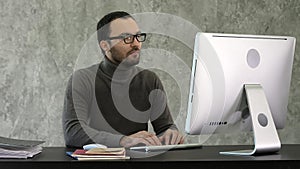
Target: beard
131,58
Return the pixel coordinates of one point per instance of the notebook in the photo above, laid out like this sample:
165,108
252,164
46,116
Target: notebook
11,143
17,148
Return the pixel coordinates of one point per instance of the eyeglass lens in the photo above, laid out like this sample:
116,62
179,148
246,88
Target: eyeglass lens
139,38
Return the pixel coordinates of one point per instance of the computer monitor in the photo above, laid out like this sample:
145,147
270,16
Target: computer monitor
240,83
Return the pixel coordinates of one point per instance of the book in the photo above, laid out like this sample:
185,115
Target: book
18,148
99,154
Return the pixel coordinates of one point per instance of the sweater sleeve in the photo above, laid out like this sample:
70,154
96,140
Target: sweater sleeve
161,118
76,130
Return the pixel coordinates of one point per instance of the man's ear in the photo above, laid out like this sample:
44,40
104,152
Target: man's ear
104,45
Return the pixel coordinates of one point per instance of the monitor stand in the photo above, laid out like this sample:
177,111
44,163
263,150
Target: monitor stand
266,139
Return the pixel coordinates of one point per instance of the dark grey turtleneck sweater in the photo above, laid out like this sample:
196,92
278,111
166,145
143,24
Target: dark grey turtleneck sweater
104,102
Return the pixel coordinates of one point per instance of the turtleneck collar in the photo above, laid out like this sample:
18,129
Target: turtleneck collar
124,73
108,67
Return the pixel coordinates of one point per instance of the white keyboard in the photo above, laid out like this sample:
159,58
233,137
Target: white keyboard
165,147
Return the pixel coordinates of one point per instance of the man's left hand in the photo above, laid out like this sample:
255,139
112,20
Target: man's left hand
171,136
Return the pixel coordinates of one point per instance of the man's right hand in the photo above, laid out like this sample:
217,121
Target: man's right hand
141,137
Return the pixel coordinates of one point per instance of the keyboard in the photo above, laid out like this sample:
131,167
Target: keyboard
166,147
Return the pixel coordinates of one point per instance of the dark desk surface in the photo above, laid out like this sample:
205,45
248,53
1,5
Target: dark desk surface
206,157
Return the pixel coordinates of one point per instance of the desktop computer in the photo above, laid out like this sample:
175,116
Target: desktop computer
240,83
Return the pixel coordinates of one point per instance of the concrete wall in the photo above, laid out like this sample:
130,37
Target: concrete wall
42,42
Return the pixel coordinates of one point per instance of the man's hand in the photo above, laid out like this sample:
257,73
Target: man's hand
171,136
142,137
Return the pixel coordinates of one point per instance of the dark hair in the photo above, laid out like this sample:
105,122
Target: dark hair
103,26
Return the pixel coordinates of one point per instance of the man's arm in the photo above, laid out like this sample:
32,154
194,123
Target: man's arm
161,118
77,132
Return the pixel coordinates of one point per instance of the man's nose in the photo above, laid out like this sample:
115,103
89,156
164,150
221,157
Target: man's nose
135,42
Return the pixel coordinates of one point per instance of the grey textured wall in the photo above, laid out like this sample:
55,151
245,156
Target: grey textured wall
40,41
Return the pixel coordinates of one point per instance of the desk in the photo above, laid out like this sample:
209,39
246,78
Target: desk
206,157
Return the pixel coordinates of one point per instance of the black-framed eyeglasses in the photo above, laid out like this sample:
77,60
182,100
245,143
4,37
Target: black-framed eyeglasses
129,38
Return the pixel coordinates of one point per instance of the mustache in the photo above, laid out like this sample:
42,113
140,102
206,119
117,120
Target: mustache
134,49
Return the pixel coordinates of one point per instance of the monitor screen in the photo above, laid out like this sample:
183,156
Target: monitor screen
224,66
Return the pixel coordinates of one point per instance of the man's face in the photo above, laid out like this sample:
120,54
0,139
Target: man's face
129,54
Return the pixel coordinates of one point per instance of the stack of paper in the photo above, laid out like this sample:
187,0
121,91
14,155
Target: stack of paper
16,148
99,154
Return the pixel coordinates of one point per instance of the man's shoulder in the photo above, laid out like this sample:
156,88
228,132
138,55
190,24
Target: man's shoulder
85,75
91,68
146,72
87,71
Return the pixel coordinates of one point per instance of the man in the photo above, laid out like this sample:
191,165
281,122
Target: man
111,103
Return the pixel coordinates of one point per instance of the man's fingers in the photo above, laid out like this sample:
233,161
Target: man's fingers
147,138
179,139
153,140
150,137
174,136
182,140
144,141
144,137
137,141
143,134
167,138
